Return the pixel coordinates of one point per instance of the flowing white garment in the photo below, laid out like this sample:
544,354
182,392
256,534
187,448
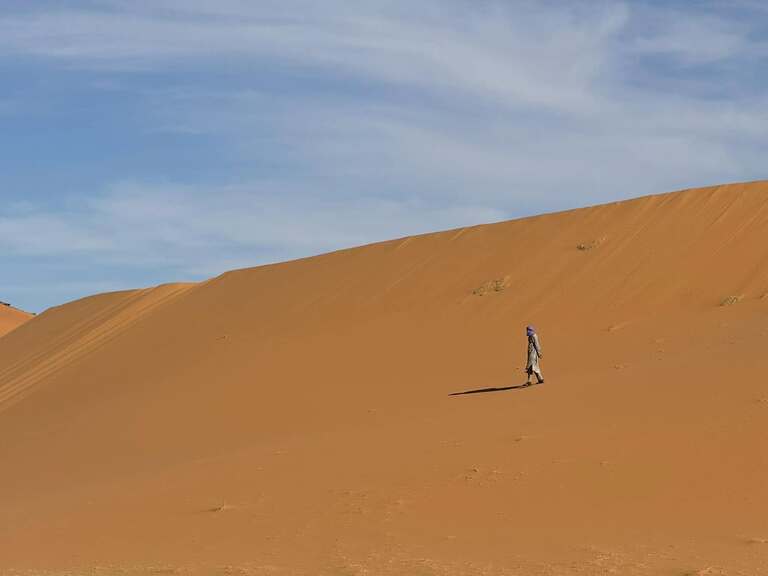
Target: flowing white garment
534,353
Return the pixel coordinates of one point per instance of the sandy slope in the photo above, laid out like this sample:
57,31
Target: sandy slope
11,318
297,418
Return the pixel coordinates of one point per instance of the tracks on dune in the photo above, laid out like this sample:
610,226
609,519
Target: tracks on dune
19,379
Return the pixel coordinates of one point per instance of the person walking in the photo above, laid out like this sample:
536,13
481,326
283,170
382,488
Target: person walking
534,355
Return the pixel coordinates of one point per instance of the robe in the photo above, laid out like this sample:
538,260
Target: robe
534,353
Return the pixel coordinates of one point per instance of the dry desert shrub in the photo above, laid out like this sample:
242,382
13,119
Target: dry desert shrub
497,285
730,300
586,246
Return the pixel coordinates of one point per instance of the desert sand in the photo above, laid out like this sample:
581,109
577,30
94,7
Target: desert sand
301,418
11,318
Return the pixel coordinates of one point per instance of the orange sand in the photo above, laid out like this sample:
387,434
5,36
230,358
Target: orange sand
11,318
296,419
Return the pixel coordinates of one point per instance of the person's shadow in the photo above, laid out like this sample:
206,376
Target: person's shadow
484,390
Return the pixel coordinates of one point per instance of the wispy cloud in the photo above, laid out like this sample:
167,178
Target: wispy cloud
321,125
507,52
189,228
693,39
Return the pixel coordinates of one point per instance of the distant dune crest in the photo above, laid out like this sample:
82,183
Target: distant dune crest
11,318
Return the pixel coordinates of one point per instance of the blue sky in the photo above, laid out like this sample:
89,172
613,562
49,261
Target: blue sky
146,141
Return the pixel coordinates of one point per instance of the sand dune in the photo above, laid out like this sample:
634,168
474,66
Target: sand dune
298,419
11,318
